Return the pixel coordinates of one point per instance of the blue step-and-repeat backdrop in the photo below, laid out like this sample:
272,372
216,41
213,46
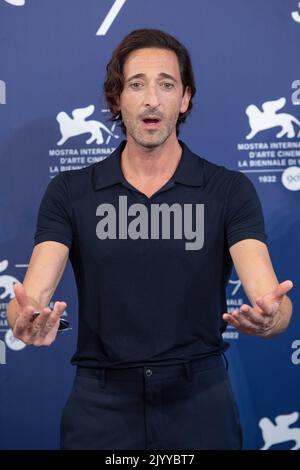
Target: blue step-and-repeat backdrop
246,116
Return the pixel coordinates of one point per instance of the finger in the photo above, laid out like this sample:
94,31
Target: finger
245,310
58,310
231,320
281,290
268,305
49,331
54,318
48,318
254,316
39,323
240,322
20,294
24,320
49,327
50,335
59,307
52,323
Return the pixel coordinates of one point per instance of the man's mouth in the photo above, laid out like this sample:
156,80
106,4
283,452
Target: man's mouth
151,123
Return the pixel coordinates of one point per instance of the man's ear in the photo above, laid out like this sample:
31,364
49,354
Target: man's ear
185,100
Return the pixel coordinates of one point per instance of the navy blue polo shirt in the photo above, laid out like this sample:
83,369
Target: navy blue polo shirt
151,272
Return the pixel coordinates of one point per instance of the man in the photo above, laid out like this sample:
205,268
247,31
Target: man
151,232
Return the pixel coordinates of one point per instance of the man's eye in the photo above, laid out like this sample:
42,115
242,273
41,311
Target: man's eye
135,85
168,85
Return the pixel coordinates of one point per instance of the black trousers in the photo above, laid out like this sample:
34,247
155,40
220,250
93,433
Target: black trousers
180,406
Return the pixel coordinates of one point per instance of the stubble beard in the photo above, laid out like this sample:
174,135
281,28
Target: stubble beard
150,138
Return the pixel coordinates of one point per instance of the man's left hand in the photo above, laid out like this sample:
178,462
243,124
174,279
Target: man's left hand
264,317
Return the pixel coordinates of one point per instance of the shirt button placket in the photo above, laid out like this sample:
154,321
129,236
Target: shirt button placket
151,404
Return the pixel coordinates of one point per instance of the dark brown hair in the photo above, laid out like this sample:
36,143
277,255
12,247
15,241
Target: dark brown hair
138,39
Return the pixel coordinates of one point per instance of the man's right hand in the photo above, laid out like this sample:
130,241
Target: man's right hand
40,330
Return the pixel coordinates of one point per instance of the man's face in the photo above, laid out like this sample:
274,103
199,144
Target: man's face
152,89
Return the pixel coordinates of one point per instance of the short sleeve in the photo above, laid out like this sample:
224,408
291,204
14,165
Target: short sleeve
243,212
54,220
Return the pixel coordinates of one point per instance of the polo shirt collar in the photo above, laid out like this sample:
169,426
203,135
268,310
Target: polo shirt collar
189,170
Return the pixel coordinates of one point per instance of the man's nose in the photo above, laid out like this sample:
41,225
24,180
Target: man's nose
151,96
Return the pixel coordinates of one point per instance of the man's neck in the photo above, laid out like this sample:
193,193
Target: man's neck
148,164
